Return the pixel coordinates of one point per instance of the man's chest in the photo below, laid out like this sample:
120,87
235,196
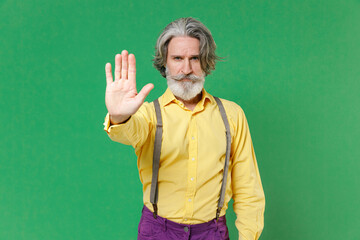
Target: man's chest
193,139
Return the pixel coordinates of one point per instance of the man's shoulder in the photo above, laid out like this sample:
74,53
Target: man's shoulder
231,107
235,114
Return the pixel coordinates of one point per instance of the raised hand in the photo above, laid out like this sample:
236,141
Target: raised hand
121,97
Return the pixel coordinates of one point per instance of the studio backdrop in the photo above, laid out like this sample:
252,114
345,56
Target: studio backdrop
293,66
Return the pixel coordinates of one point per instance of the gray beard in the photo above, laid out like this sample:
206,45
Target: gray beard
185,90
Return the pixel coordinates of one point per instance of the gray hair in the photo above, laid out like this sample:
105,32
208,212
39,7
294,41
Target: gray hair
186,27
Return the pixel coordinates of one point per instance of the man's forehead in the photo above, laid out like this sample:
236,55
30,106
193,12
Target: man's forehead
184,45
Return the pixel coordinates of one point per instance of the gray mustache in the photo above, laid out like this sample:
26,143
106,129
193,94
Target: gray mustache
191,77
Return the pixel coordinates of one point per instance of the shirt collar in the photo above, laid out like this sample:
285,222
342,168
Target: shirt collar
168,97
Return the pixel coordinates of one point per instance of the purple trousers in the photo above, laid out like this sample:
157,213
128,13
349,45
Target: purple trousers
163,229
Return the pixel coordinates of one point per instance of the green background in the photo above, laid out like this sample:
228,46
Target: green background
293,66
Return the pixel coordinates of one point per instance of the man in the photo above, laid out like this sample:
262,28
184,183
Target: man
183,172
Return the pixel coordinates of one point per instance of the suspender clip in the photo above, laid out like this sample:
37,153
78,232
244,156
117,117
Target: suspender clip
155,210
218,214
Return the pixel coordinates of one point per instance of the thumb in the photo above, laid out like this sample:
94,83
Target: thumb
144,92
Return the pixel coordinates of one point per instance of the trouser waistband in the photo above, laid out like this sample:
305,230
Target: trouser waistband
180,226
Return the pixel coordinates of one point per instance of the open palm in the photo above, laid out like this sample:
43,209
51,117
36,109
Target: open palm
121,97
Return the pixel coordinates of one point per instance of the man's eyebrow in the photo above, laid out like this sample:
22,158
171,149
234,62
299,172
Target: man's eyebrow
179,55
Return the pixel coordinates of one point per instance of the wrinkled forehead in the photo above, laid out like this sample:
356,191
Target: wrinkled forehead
188,46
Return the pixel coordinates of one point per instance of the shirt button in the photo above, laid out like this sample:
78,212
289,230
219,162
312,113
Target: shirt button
192,137
189,199
193,159
186,229
185,219
192,179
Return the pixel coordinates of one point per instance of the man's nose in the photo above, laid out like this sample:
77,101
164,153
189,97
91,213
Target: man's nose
187,69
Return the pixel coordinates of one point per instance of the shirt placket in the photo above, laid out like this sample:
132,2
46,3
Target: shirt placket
192,166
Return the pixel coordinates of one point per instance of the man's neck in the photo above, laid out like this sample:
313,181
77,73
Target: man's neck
191,104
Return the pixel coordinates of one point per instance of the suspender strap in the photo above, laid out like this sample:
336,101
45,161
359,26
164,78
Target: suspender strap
227,156
156,157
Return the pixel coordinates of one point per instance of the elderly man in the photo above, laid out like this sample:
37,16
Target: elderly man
194,150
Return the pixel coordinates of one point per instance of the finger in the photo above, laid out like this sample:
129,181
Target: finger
124,66
109,78
117,66
144,92
132,70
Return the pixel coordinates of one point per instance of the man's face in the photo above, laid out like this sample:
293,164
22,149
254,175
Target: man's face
183,69
183,56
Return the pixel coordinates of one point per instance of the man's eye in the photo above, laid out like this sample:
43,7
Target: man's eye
195,58
177,58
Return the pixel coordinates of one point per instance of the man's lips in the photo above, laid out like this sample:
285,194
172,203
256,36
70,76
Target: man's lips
186,80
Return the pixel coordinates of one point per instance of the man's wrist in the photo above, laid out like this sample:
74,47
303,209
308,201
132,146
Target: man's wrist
118,120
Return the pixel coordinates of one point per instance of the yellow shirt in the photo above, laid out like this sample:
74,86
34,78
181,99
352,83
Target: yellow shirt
192,161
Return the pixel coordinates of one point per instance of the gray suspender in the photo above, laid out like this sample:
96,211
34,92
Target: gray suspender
156,158
227,156
157,151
